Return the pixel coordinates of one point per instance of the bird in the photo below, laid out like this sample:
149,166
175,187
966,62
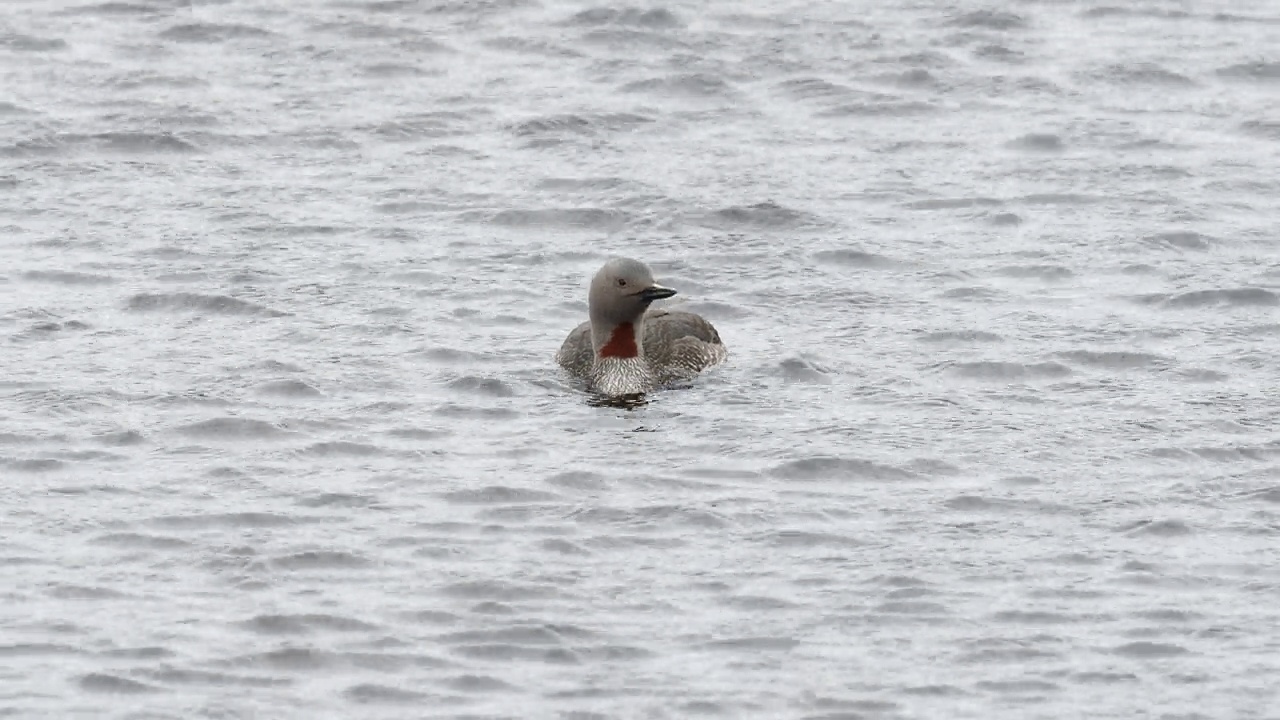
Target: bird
627,348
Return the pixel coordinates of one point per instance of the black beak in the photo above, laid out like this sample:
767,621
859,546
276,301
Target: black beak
655,292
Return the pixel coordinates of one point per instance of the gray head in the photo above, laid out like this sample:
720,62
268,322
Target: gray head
621,291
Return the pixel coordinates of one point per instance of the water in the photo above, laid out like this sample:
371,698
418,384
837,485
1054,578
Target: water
281,434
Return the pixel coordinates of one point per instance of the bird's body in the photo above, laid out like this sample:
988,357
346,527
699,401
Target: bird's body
628,348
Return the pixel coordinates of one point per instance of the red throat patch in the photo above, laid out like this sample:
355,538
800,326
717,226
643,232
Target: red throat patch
622,343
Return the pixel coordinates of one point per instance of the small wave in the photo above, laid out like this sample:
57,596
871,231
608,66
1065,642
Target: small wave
499,590
338,500
415,207
713,310
803,370
856,259
594,219
1010,371
217,304
426,278
304,624
141,142
422,44
913,78
959,203
522,634
1231,297
1000,53
1146,649
824,467
8,108
29,43
61,277
370,31
1019,687
421,126
114,685
685,84
580,480
321,560
758,603
146,80
560,546
500,495
1264,71
1235,18
655,19
900,108
625,39
411,433
477,413
231,428
240,521
1202,375
38,649
1037,272
171,675
506,652
576,184
810,539
121,438
1104,11
1161,528
288,659
123,142
765,215
935,691
752,644
483,684
48,326
82,592
342,448
113,8
1035,617
475,385
288,389
911,607
574,124
136,541
965,336
212,32
454,356
973,292
1039,142
1144,74
1271,495
981,503
34,465
1269,129
531,46
393,70
373,693
1115,360
1060,199
810,88
1181,239
989,20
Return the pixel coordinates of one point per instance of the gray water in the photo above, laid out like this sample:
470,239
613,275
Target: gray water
281,435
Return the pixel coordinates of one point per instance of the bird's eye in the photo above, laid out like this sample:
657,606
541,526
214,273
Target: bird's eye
622,282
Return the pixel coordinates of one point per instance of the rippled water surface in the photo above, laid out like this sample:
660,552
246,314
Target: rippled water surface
281,434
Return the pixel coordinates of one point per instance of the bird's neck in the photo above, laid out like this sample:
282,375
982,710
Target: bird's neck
622,342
